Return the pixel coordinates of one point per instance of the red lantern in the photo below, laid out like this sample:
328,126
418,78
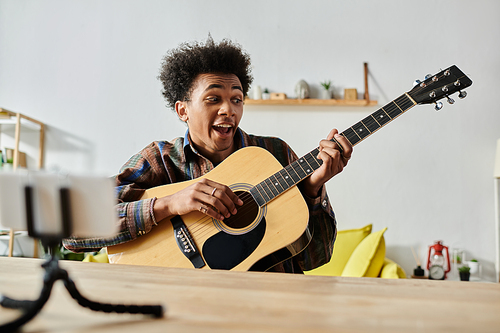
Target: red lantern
436,262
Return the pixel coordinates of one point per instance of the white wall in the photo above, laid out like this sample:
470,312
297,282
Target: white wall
88,70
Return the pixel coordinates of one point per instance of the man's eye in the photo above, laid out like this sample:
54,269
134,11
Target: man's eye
212,99
237,100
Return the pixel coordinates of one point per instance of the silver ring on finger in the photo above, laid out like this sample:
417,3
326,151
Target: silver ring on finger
203,209
213,191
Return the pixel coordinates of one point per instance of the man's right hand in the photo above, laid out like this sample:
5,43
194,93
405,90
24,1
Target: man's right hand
210,198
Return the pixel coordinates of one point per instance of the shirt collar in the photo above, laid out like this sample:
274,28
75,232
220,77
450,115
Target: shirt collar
186,142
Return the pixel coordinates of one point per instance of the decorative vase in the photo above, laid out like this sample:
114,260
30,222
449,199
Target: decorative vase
474,267
257,93
302,90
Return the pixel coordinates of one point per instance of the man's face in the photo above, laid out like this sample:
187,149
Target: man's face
213,113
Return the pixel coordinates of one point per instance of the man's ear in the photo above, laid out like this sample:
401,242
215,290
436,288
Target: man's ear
181,110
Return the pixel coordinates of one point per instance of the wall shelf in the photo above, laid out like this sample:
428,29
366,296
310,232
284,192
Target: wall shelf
325,102
311,101
19,120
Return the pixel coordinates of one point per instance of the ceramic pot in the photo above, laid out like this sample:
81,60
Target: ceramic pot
326,94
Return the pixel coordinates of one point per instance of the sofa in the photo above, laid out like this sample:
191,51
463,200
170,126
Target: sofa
360,253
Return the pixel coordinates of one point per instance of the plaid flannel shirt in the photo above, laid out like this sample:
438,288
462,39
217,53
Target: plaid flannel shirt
165,162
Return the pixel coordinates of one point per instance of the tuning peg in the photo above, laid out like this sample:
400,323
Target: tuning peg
462,94
416,83
450,100
428,76
438,106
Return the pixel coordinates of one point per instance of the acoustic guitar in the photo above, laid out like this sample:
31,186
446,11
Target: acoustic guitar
272,224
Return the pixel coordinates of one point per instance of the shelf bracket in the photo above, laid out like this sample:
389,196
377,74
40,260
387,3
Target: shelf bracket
367,94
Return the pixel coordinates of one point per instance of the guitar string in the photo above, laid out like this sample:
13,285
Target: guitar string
205,226
204,230
201,224
242,211
416,90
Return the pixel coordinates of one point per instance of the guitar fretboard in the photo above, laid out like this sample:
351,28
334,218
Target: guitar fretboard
302,168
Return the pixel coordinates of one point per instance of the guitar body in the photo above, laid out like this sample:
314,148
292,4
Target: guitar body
222,246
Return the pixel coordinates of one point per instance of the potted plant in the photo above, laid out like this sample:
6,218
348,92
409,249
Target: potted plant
265,94
474,267
464,272
327,94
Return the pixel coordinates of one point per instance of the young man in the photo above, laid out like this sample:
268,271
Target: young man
206,84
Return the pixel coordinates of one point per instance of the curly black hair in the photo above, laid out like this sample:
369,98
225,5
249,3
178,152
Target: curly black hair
180,67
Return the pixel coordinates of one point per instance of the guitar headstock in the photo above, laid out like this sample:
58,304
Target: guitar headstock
439,86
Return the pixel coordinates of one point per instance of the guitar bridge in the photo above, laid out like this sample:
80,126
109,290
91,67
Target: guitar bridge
185,242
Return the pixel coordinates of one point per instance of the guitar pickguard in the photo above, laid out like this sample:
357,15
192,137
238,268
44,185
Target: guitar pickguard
226,251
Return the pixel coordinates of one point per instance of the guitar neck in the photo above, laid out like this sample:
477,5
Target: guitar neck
363,129
302,168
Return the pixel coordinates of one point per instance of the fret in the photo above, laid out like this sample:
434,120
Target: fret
300,166
291,171
311,159
267,189
392,110
308,167
351,136
381,117
405,102
275,185
361,130
344,136
272,188
278,182
263,192
398,106
287,178
257,197
371,124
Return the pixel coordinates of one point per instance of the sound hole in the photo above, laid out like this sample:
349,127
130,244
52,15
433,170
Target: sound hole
246,213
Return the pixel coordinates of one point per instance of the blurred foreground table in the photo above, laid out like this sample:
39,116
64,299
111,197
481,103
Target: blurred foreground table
221,301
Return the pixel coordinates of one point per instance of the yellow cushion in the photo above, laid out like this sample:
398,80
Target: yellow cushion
100,257
368,257
346,242
391,270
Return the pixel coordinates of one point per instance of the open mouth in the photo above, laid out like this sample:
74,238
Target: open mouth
223,129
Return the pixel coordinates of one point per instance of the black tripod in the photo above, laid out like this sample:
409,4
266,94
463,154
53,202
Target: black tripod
54,272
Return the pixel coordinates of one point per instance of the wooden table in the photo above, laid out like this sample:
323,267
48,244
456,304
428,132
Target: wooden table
220,301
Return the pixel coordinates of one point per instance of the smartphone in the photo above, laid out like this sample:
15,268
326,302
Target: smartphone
89,202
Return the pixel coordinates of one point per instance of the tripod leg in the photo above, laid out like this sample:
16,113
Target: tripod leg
153,310
53,273
30,308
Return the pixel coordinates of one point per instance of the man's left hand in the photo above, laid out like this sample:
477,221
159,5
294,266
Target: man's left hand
334,161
